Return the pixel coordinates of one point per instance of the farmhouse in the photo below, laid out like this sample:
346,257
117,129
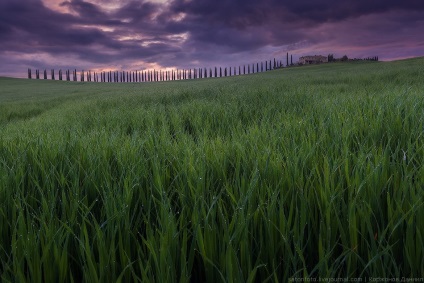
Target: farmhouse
316,59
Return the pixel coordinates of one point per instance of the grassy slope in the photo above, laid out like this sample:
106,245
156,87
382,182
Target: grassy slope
296,172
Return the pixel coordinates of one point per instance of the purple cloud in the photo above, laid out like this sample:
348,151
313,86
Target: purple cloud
178,33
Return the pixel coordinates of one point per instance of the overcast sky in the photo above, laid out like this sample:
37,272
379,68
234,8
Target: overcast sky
136,35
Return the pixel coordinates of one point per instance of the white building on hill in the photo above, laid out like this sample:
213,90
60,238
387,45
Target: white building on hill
316,59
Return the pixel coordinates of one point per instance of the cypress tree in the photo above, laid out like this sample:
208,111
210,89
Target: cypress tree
287,59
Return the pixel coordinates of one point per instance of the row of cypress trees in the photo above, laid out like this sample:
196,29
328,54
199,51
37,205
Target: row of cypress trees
161,75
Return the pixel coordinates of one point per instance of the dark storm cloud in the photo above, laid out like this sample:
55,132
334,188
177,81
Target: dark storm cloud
244,13
33,27
85,10
28,26
279,22
187,33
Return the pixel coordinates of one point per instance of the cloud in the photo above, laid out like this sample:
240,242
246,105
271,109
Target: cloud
182,33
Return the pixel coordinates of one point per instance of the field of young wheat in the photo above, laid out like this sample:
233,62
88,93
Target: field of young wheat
298,172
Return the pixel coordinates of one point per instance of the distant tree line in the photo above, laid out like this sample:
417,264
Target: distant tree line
162,75
345,58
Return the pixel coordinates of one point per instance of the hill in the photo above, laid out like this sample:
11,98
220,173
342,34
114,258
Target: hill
298,172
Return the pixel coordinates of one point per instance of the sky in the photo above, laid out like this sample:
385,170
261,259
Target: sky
102,35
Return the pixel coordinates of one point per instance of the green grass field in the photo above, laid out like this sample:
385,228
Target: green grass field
299,172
